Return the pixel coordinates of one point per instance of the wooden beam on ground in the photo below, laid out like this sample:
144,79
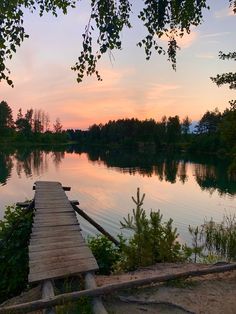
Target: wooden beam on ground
47,293
90,283
74,296
95,224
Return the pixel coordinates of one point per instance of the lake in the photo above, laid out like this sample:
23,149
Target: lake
186,189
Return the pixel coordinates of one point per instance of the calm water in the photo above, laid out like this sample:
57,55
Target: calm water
187,190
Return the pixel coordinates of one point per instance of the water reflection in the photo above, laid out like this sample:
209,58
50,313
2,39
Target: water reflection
6,165
210,174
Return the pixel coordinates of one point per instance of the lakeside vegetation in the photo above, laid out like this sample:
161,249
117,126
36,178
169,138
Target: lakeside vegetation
151,241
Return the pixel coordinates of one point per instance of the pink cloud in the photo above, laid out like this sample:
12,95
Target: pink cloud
185,41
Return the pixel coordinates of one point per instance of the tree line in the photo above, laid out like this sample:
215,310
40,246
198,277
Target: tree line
214,132
33,125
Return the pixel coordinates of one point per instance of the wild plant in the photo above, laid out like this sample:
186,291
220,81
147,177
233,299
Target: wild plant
220,238
152,240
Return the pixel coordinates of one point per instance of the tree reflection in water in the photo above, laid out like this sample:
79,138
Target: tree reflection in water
210,173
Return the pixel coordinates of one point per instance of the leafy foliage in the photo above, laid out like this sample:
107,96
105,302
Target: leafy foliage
12,25
105,252
230,77
161,18
14,240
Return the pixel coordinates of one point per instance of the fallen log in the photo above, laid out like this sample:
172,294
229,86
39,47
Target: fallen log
73,296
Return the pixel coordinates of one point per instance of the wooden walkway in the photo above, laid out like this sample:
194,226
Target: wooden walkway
57,248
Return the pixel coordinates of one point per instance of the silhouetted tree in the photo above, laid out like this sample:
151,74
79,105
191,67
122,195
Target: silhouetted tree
209,122
29,117
57,126
23,126
173,129
228,128
6,120
185,126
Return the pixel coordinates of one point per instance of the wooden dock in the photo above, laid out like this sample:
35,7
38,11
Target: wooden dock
57,248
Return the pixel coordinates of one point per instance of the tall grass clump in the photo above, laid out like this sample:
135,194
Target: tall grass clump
220,238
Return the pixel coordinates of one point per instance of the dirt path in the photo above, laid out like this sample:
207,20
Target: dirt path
208,294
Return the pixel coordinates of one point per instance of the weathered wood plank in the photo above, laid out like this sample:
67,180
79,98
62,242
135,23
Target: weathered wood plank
39,268
60,273
54,210
83,250
60,229
46,225
55,246
51,203
57,220
56,234
52,260
54,239
65,188
40,214
49,216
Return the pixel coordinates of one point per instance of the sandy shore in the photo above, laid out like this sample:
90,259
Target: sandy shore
210,294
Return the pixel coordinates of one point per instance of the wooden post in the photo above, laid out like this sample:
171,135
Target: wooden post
95,224
90,283
47,293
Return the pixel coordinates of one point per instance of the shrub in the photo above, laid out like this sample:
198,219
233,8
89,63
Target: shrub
15,231
105,252
153,241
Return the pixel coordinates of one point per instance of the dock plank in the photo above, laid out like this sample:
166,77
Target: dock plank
57,248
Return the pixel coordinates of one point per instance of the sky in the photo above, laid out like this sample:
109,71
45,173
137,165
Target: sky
131,86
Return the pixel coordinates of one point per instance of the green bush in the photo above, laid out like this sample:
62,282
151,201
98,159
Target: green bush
15,231
153,241
105,252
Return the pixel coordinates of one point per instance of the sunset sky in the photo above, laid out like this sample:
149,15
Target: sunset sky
131,86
